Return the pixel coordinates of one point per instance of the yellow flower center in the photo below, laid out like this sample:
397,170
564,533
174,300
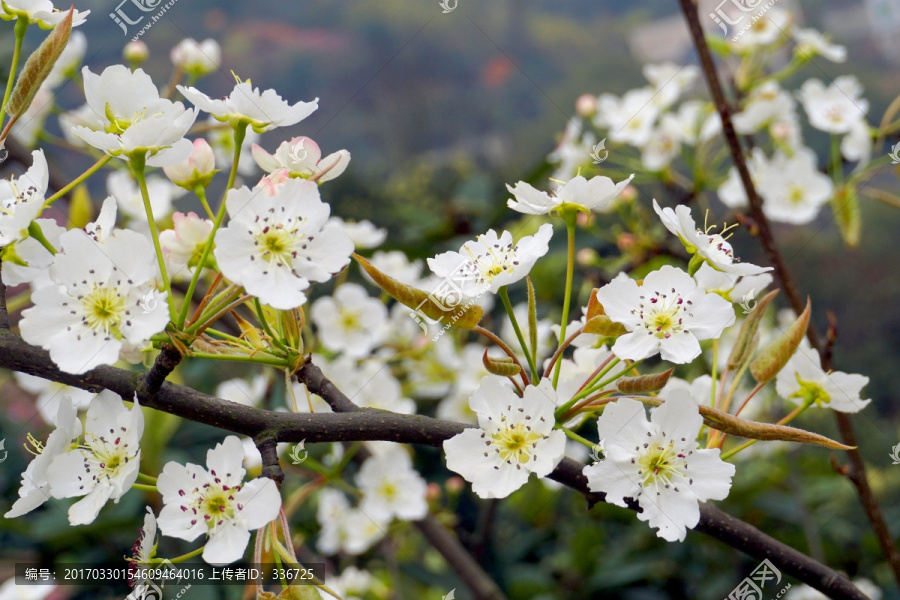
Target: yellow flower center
516,443
103,309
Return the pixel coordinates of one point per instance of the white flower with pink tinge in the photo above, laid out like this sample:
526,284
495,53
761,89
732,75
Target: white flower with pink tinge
301,157
585,195
668,314
713,247
183,244
215,501
41,12
658,463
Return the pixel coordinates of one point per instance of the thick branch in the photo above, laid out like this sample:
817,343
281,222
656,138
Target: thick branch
369,424
857,472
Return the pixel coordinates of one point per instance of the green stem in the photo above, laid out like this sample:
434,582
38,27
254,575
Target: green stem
138,163
34,231
183,557
715,365
266,328
570,218
259,360
836,162
93,169
587,390
147,478
574,436
200,192
146,488
504,296
20,29
240,132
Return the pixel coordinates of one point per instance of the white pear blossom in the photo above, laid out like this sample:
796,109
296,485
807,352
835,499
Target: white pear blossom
364,234
345,528
134,119
734,288
35,489
711,246
50,394
350,321
262,111
431,372
215,501
668,314
805,592
369,384
391,487
22,199
658,463
765,104
352,584
276,245
695,121
28,261
802,380
515,438
669,80
664,145
94,304
106,464
10,590
142,552
811,43
301,157
770,28
792,188
699,390
597,193
491,261
197,59
629,119
83,116
40,12
221,138
573,150
122,186
396,264
837,108
197,169
856,146
183,244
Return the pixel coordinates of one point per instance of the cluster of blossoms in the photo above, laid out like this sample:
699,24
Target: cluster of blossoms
784,169
100,293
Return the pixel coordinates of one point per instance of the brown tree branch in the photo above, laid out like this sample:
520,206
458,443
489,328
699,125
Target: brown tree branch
4,314
857,471
370,424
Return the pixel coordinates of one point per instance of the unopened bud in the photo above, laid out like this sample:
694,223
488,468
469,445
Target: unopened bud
455,485
198,169
432,492
586,257
135,52
197,59
625,241
586,105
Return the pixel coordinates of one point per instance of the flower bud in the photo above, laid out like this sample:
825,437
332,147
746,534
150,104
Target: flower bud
586,105
197,59
455,485
331,166
432,492
198,169
135,52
